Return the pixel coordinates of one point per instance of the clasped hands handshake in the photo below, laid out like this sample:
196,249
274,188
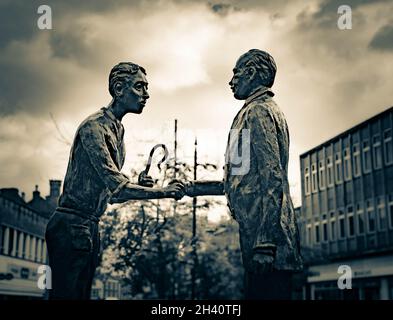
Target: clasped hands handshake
175,189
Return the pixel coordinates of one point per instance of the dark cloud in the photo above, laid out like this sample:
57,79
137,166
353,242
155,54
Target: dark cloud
18,18
326,16
330,7
383,39
24,88
221,8
272,6
33,78
17,21
67,44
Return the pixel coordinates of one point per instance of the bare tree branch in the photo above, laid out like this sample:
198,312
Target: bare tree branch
63,138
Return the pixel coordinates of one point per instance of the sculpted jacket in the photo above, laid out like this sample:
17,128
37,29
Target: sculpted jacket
259,198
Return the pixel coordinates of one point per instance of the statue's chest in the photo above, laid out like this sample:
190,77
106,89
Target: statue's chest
239,121
115,144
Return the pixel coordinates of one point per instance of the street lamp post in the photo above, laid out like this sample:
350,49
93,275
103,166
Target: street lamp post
194,239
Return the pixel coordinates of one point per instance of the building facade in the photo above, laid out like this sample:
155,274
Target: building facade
347,211
22,241
108,289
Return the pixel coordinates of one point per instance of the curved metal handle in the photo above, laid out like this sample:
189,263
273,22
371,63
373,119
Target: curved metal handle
149,161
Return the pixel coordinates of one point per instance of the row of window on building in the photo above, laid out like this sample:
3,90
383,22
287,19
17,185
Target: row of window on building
363,158
112,289
364,218
109,289
21,211
19,244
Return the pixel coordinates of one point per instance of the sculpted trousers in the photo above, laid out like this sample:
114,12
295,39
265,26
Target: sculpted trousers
73,244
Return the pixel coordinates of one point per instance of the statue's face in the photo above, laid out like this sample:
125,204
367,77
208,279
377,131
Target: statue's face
134,94
245,80
242,81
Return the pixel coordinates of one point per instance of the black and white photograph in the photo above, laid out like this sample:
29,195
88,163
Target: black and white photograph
196,151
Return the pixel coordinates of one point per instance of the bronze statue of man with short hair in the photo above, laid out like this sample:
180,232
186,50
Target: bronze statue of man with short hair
93,180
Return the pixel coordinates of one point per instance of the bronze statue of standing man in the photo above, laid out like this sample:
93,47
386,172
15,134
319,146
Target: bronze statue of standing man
259,199
256,182
93,180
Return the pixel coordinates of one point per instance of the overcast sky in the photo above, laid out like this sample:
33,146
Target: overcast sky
328,79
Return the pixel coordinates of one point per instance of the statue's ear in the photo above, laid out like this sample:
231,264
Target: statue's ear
251,71
118,88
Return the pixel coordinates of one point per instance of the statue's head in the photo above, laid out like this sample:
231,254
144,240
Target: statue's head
253,70
128,86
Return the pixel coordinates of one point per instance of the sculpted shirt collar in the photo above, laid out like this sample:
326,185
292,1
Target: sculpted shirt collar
262,91
111,115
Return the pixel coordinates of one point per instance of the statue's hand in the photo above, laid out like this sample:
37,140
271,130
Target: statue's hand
262,263
145,180
175,189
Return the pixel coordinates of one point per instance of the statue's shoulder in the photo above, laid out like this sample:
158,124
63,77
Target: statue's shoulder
94,121
266,113
261,107
265,107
